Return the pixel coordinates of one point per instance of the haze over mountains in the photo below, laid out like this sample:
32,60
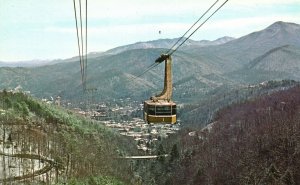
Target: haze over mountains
168,43
162,43
198,67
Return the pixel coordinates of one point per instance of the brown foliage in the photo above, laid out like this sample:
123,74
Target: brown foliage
257,142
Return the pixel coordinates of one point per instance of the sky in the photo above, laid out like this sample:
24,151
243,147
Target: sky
46,30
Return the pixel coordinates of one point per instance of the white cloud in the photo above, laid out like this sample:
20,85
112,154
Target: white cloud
132,9
261,2
117,22
241,26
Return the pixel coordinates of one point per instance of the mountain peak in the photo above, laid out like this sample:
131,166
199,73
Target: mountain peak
279,25
223,40
168,43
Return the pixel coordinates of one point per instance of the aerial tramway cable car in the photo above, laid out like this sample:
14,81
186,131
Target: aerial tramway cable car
160,108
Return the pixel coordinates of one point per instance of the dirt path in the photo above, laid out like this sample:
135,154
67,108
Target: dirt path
143,157
48,167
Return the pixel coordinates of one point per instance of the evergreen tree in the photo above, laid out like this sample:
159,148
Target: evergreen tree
287,178
174,153
160,153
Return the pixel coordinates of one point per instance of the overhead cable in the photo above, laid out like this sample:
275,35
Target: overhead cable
192,26
171,51
198,27
80,40
146,70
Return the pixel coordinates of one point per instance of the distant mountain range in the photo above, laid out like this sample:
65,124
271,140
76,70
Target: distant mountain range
168,43
162,43
199,67
30,63
276,60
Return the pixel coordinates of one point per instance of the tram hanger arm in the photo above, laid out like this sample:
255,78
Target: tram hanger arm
162,58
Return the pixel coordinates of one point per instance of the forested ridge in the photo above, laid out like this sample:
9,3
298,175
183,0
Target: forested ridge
78,150
252,142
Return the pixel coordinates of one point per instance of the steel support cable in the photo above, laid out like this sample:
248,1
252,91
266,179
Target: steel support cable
86,10
81,44
78,42
198,27
148,69
153,66
81,32
193,26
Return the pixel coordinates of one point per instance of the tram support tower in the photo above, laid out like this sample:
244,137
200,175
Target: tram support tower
166,94
160,108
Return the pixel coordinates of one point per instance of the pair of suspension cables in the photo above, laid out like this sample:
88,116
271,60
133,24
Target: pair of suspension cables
81,38
183,39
